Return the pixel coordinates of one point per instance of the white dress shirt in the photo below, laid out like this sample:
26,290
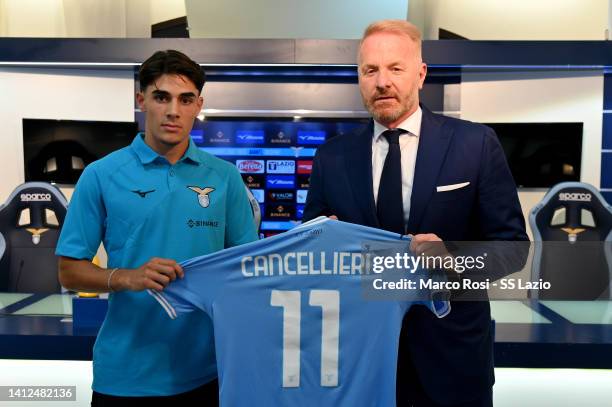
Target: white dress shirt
409,143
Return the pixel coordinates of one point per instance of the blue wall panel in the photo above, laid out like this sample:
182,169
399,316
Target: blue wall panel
607,131
606,170
608,90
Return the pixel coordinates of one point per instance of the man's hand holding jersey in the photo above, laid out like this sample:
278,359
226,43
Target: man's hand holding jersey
155,274
83,275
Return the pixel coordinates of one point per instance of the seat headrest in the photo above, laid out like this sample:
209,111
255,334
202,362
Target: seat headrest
572,205
37,196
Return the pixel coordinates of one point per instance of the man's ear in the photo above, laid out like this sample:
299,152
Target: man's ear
140,100
422,74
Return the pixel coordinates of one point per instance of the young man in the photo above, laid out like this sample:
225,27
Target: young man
188,203
413,171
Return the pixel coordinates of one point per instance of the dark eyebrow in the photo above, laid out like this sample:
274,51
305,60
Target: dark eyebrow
159,92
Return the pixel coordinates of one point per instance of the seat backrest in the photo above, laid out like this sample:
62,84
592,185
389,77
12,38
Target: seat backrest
572,230
30,223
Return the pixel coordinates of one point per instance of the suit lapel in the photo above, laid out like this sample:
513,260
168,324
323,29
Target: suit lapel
434,141
358,165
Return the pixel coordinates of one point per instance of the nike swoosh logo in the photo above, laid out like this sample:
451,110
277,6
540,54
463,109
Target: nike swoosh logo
143,194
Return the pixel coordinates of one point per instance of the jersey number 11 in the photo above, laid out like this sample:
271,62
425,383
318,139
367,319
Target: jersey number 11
290,301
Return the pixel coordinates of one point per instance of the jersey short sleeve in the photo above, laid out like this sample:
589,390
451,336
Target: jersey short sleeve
83,227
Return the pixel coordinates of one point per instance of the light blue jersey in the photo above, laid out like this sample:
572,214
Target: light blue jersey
291,325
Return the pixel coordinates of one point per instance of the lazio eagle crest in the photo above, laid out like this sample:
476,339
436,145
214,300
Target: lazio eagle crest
203,197
36,234
572,234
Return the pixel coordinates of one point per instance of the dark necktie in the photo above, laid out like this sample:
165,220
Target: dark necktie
390,206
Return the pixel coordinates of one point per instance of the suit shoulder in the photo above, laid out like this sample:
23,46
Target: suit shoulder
463,125
342,143
468,130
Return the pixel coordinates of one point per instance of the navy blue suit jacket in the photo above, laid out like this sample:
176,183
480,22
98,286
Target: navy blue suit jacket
453,356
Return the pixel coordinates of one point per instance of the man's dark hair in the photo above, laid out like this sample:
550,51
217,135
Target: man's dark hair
170,62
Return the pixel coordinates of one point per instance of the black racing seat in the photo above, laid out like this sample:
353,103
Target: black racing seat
30,223
572,230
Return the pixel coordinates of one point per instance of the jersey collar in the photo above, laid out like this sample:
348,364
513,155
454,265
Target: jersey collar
147,155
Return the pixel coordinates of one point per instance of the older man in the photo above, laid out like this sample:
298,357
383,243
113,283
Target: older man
438,178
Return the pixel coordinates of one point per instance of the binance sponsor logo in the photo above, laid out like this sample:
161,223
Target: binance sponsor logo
280,211
194,223
219,138
281,138
253,181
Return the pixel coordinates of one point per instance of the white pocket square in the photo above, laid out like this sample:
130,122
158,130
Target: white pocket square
451,187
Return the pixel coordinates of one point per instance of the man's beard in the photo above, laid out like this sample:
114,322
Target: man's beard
385,115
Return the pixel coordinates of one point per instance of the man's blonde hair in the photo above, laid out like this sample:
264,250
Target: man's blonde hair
401,27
